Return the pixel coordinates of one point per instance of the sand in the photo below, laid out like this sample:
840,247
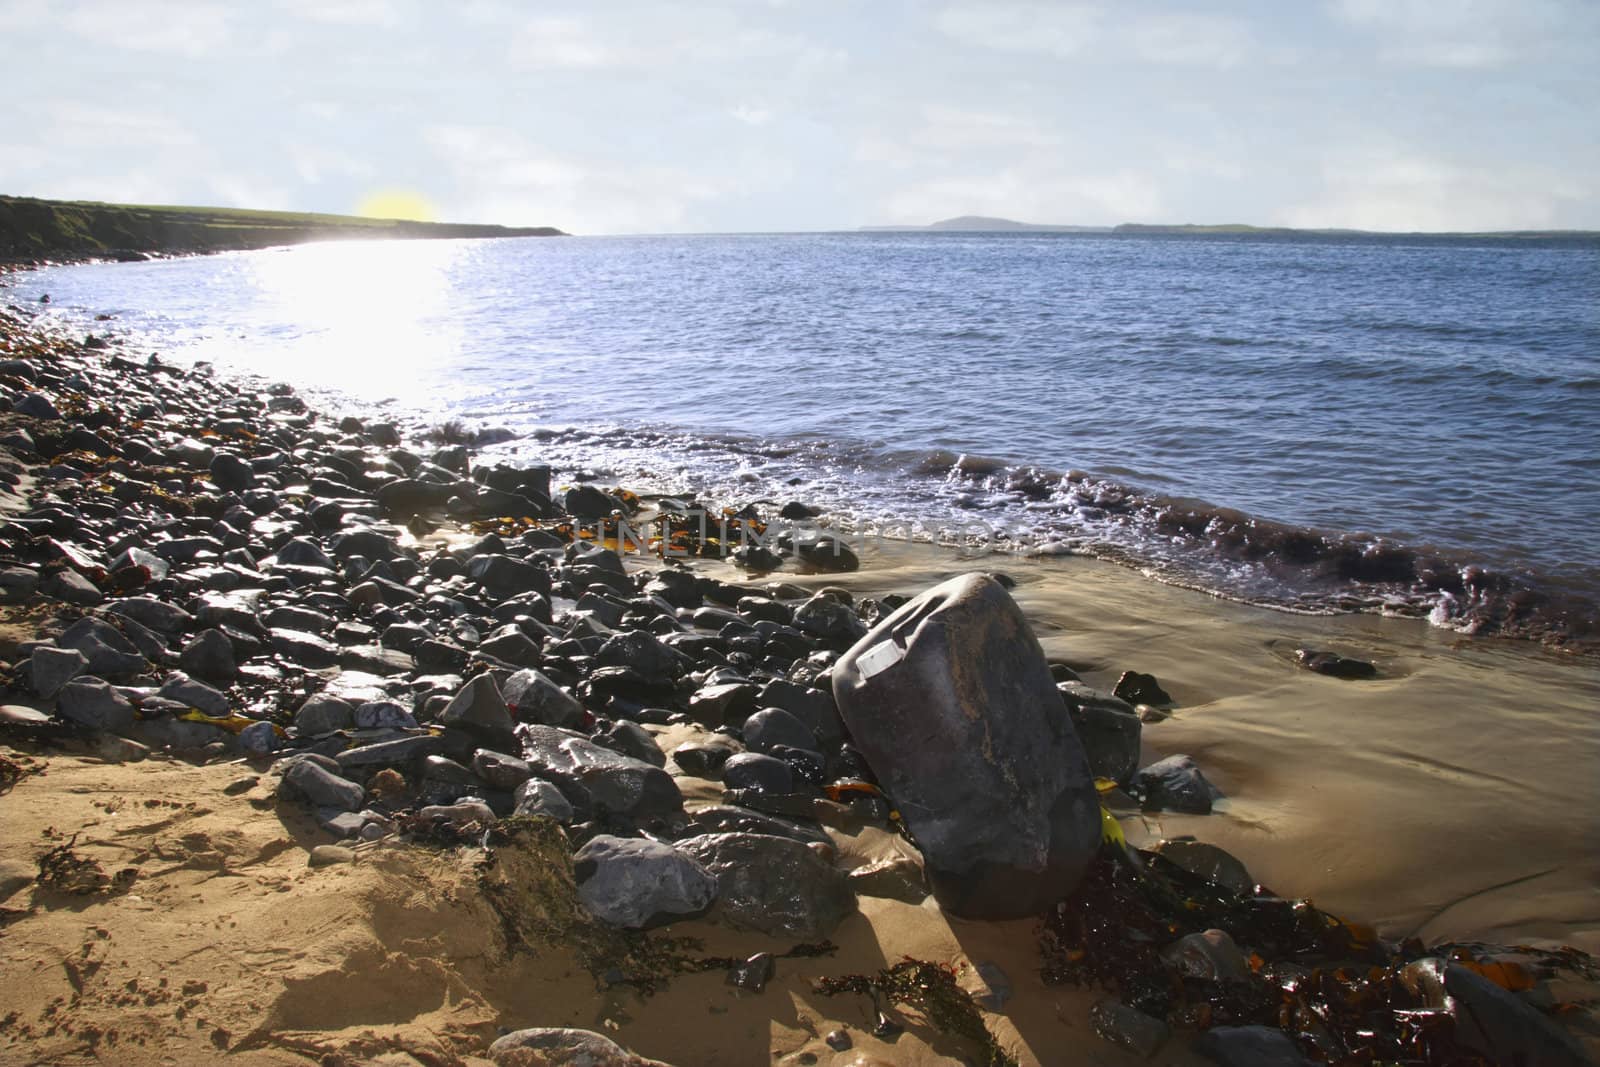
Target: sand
1453,798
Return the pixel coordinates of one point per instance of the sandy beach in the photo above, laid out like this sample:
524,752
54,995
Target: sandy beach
1450,799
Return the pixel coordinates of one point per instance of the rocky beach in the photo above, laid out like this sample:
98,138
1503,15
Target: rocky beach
326,742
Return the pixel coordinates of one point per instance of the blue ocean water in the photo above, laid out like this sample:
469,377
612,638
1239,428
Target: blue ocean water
1316,421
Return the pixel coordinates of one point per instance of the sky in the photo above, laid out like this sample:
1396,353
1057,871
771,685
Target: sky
623,116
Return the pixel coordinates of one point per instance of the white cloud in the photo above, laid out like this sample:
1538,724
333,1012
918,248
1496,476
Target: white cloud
344,12
1193,40
1051,195
567,42
751,115
1054,29
501,177
1394,188
190,29
1469,34
77,125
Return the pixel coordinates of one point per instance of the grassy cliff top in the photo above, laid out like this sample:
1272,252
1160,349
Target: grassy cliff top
32,229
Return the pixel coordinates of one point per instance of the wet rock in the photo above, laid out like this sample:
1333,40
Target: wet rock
17,584
36,405
537,797
1210,956
894,877
772,728
636,883
1250,1046
72,587
1176,784
93,702
598,779
397,753
560,1047
384,715
1334,665
825,552
157,567
505,576
774,885
323,715
952,704
839,1041
231,473
654,662
500,770
312,782
764,774
1496,1023
158,615
513,647
730,819
259,738
1136,688
304,649
826,617
301,552
532,697
51,668
209,655
480,710
1108,729
587,503
1208,862
754,973
727,703
631,739
1128,1027
813,707
705,759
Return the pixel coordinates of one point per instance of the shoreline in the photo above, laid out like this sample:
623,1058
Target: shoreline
1265,730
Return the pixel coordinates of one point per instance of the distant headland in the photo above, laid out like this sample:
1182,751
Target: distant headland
32,230
990,224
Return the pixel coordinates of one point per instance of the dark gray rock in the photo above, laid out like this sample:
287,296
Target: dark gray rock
158,615
587,503
17,584
598,780
752,770
302,552
1136,688
1176,784
636,883
322,715
532,697
654,662
814,707
732,819
705,758
397,753
104,647
824,616
1208,862
512,646
92,702
1250,1046
384,715
182,689
770,728
1210,956
50,668
505,576
500,770
36,405
259,738
952,704
538,797
232,473
138,557
72,587
316,784
775,885
303,649
631,739
209,655
1490,1020
1108,728
480,710
1128,1027
1334,665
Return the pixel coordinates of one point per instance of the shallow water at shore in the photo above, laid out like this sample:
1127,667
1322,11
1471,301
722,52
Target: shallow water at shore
1397,424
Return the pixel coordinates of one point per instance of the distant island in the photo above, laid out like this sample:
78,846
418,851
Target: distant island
990,224
32,229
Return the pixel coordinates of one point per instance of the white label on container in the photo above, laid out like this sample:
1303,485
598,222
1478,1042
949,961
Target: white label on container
879,658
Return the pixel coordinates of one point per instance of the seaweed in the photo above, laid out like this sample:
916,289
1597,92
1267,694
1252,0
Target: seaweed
1343,992
65,871
13,771
931,990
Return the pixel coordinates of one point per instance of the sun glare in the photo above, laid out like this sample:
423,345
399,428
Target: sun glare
397,204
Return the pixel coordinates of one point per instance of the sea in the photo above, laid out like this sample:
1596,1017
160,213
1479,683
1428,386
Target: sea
1319,423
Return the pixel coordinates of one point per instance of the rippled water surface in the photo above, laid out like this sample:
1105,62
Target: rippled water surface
1443,394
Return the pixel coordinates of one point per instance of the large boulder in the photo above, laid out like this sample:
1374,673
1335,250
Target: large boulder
598,781
634,882
952,704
